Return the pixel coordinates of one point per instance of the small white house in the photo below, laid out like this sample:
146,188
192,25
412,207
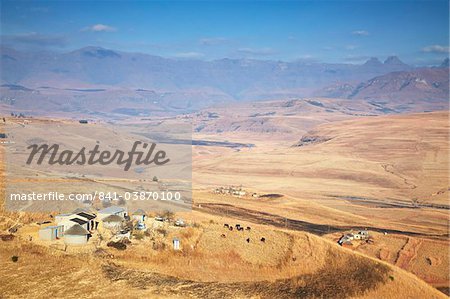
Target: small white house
51,233
76,235
139,215
75,220
176,244
88,217
113,222
361,235
112,210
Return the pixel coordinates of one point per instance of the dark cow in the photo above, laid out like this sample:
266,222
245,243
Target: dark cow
230,228
263,239
226,225
248,228
238,226
223,236
248,240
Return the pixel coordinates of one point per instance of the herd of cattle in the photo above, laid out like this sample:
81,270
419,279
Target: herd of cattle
240,228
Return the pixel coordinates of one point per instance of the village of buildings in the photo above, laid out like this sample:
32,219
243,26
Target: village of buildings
113,224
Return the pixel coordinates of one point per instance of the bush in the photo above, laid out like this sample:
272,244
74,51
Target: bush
155,178
162,231
169,215
138,235
117,245
14,258
158,245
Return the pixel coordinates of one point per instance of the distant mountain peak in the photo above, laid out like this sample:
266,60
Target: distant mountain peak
393,60
97,52
373,62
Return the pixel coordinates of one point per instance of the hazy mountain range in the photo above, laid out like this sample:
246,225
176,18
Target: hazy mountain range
94,78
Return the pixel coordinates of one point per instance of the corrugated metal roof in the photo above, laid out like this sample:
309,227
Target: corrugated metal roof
111,210
86,215
79,221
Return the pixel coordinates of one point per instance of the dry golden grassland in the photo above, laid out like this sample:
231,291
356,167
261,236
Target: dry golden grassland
322,186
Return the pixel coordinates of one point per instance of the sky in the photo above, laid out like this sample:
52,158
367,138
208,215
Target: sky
323,31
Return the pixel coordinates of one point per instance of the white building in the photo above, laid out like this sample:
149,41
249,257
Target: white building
68,223
88,217
176,244
51,233
76,235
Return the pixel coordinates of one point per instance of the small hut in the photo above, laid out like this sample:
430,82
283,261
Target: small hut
88,217
113,222
51,233
176,244
76,235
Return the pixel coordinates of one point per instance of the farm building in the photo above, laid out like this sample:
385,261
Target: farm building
113,222
76,235
83,222
347,238
51,233
85,219
113,210
90,218
68,223
139,215
361,235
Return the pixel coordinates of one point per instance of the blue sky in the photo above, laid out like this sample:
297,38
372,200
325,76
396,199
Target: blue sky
335,31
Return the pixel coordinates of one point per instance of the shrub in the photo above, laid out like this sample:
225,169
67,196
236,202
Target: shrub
169,215
138,235
14,258
117,245
158,245
162,231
